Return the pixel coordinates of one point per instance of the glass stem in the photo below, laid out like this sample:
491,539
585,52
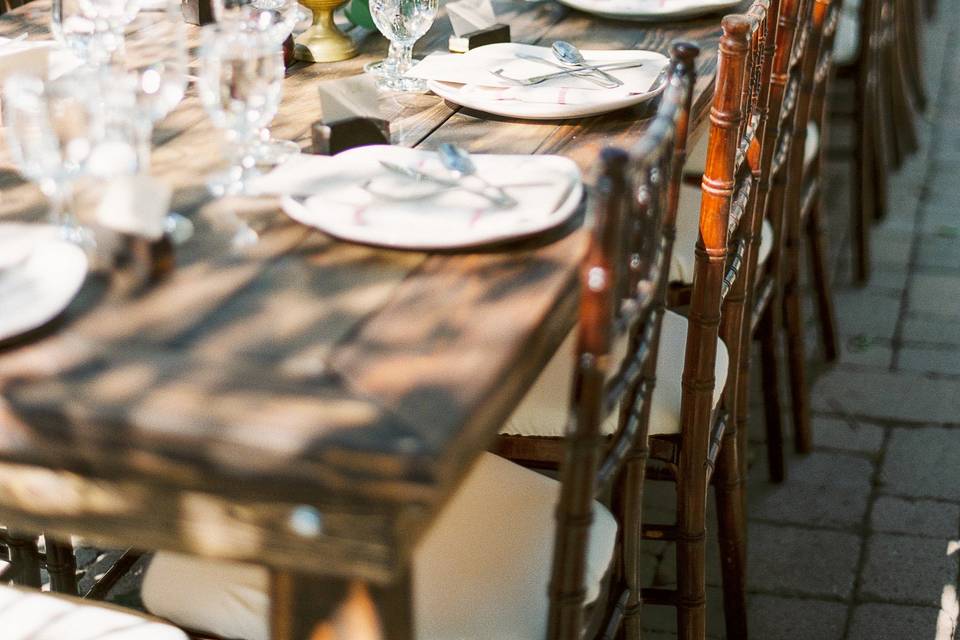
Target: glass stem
404,58
144,133
59,195
392,60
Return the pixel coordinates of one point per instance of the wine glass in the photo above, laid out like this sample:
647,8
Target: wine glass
51,130
92,29
277,18
403,22
154,70
241,75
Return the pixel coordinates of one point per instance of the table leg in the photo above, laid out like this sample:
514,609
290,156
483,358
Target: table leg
311,607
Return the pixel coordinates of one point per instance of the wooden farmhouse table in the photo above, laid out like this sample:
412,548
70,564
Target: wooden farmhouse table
305,403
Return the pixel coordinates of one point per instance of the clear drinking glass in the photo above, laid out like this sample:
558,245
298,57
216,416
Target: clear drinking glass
51,130
241,75
278,18
154,67
92,29
403,22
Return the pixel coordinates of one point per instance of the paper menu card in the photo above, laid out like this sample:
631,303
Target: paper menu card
352,97
467,16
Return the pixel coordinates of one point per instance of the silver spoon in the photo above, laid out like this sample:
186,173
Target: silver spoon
566,70
569,54
457,160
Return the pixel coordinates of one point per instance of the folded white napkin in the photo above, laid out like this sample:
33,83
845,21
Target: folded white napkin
353,191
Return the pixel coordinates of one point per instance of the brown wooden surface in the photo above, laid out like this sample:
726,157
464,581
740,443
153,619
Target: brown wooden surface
358,381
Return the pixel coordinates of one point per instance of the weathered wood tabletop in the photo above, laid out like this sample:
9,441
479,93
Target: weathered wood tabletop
213,411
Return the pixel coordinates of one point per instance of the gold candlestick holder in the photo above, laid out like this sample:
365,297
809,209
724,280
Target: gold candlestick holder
323,42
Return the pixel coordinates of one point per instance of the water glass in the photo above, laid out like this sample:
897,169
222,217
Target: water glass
403,22
92,29
52,129
241,75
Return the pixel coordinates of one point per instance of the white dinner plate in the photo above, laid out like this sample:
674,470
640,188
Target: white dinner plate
640,83
40,281
651,10
336,198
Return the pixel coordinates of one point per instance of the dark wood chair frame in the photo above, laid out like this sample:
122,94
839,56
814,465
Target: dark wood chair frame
26,562
888,67
725,256
635,207
795,211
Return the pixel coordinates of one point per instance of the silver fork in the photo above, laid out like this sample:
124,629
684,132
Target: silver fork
526,82
586,75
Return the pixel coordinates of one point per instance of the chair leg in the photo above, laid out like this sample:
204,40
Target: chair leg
691,557
901,113
770,370
796,354
25,557
631,500
821,281
909,23
731,532
62,566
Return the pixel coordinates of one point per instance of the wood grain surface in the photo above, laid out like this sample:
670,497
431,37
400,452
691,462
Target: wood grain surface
302,372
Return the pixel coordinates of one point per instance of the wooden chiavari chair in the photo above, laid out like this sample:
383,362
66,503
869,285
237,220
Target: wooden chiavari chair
803,213
613,365
869,38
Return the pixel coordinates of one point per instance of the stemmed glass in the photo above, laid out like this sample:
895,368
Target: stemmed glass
154,68
241,75
92,29
403,22
278,18
52,129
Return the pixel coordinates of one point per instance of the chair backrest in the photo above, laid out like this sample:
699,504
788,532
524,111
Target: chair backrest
727,239
623,291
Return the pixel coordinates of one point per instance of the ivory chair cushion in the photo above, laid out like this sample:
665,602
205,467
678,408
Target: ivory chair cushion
480,573
846,42
543,411
32,615
688,210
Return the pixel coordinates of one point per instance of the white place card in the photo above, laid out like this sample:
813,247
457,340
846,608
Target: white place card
353,97
467,16
136,205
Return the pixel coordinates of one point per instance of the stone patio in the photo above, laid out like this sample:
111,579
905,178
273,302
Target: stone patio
861,542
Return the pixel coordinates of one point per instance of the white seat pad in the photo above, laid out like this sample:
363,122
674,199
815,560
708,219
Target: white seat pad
544,410
846,43
480,573
688,210
32,615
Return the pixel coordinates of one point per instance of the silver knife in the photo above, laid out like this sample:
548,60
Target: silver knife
417,174
559,74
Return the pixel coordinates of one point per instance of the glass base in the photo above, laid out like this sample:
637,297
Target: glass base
402,84
178,228
232,182
272,152
376,69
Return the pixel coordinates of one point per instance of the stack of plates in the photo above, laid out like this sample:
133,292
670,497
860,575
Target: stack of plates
471,80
